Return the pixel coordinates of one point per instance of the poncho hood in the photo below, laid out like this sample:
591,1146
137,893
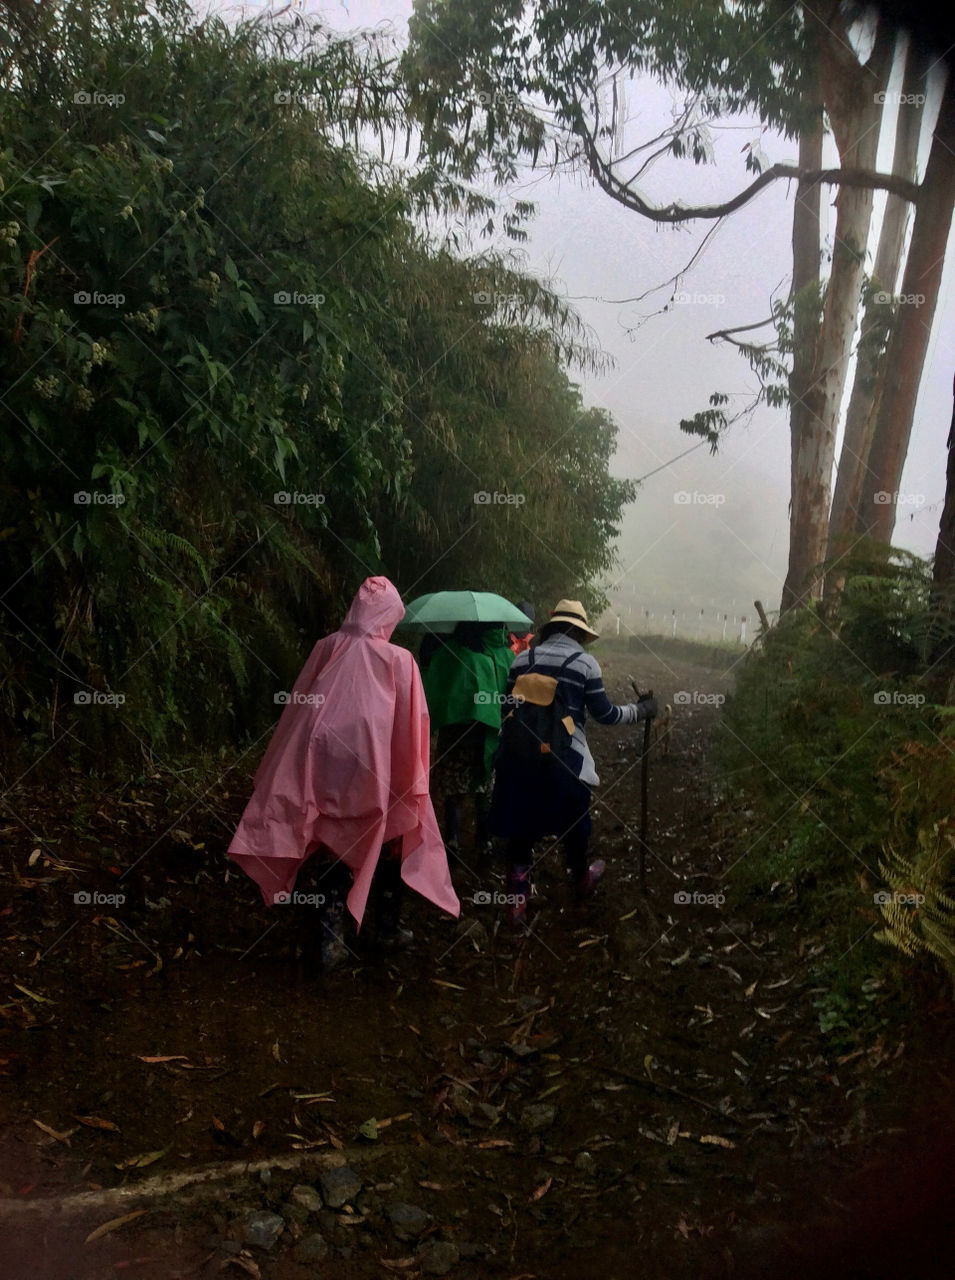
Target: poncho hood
375,611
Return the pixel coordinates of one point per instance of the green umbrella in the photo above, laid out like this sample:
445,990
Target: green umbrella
441,611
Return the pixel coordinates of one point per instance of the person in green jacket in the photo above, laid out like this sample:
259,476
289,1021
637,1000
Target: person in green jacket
464,675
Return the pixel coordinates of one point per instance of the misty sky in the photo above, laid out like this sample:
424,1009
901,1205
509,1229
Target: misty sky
729,541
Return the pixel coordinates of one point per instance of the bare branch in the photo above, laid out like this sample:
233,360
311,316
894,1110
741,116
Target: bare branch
606,179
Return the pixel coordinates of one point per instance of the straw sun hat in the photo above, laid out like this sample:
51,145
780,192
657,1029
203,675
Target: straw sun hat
573,611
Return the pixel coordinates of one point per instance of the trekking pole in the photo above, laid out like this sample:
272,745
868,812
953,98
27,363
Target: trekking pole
644,787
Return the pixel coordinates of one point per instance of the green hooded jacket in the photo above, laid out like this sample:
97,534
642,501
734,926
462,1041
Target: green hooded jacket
461,685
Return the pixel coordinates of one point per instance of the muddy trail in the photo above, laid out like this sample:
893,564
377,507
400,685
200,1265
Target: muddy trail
640,1089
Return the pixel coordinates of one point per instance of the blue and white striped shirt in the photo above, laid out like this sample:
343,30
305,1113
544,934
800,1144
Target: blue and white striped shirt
581,687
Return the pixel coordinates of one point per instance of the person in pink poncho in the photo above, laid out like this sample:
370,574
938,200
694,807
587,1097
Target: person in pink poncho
346,772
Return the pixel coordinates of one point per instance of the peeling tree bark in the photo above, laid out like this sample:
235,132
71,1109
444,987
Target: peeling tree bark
908,345
851,92
806,250
860,416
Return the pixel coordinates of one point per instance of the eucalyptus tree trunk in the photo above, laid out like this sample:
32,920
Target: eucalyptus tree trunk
908,345
851,92
877,317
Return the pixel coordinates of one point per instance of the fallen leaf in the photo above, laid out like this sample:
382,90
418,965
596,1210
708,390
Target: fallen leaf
714,1140
60,1137
114,1224
166,1057
34,856
438,982
33,995
97,1122
369,1129
494,1142
647,1064
431,1186
141,1161
541,1191
276,1053
257,1129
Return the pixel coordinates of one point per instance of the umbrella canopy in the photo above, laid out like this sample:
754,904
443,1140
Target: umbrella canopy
441,611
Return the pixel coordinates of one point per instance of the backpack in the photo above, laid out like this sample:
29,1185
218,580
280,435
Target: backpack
538,728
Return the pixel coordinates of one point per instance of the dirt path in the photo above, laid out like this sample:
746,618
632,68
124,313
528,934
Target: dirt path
641,1089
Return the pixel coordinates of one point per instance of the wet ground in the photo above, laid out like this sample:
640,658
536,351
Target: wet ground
642,1089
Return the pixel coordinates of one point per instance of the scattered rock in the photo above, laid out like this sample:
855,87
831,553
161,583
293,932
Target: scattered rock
221,1245
307,1197
262,1229
538,1116
313,1248
437,1257
339,1186
485,1116
584,1162
461,1100
408,1221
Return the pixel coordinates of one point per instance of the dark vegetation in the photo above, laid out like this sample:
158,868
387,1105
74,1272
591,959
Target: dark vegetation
208,298
840,740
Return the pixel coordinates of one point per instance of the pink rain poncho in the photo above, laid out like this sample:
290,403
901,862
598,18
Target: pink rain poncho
347,766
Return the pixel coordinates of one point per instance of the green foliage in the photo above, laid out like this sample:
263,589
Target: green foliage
496,85
238,377
834,743
918,903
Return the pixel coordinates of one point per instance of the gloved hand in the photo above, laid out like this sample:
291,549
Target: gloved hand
646,708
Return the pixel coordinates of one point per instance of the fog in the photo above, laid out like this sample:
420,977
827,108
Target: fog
728,542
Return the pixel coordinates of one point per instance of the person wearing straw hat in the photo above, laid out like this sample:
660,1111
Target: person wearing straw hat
545,791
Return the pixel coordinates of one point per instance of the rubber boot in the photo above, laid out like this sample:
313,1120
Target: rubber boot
452,824
519,892
332,924
482,840
588,881
389,894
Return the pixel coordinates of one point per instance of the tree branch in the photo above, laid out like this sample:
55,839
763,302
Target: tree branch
607,181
